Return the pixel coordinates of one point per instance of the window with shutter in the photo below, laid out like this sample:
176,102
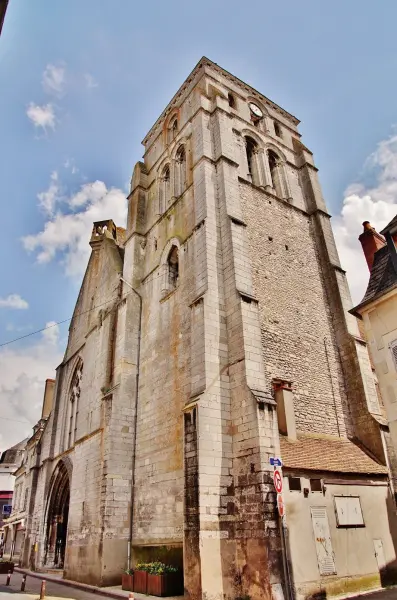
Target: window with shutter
393,349
322,538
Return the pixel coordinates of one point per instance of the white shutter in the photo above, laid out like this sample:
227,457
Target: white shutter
393,349
322,538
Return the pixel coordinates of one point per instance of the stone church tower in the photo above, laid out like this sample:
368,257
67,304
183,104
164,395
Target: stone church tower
225,340
230,246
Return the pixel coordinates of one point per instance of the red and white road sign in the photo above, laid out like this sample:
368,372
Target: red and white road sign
280,505
278,481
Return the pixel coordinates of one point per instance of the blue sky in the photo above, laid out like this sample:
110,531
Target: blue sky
82,82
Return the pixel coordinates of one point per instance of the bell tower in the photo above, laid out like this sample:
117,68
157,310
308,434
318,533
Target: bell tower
230,247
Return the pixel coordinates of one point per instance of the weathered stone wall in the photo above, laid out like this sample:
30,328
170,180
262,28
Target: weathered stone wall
297,334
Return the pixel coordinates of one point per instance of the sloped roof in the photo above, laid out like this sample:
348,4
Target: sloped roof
203,62
327,453
13,454
383,277
390,226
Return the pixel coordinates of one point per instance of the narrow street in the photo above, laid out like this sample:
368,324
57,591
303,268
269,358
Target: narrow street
32,590
60,590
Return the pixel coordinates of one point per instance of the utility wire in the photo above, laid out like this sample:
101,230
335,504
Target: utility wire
16,420
58,323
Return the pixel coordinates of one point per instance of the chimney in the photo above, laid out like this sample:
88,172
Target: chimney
371,241
285,408
48,398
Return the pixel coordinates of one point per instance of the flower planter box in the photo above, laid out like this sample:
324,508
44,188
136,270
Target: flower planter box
127,582
140,582
169,584
5,567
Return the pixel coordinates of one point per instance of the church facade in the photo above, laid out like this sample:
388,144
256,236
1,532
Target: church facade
209,336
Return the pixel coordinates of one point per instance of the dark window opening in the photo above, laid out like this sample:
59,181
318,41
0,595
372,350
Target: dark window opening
316,485
173,267
251,149
275,172
231,100
174,129
294,484
277,129
180,172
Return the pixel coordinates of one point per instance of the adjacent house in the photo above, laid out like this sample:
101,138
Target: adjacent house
378,311
9,461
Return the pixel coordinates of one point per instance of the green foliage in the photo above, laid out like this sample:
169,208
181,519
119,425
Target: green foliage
156,568
128,571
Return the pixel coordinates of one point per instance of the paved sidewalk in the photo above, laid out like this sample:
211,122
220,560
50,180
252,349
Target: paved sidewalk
56,587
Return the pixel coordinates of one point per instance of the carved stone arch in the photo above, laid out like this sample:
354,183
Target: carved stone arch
254,161
181,142
174,241
168,273
254,135
276,150
71,412
57,514
180,158
276,164
170,131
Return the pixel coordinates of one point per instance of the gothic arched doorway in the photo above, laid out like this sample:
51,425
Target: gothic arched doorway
57,518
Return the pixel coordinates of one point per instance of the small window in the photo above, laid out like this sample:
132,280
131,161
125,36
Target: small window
294,484
393,349
316,485
231,100
173,268
277,129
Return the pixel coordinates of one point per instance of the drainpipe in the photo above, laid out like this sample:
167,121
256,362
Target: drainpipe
135,420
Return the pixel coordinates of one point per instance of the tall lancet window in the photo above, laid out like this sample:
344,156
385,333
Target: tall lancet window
173,268
73,408
276,173
251,149
180,171
165,190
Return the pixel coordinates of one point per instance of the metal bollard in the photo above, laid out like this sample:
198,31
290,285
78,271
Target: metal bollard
42,590
8,578
23,583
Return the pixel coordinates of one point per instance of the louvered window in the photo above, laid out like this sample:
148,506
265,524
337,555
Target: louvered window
393,349
322,538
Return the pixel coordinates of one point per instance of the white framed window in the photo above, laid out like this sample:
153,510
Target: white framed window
348,511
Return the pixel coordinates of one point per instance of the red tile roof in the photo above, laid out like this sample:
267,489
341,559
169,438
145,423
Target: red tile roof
326,453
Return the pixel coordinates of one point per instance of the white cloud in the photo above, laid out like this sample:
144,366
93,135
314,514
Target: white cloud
41,116
49,198
377,204
90,81
66,234
90,192
23,372
13,301
54,79
51,333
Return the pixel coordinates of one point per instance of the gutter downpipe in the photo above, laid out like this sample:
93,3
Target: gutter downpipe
135,421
